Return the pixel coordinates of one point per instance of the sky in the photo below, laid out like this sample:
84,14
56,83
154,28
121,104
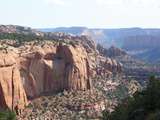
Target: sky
85,13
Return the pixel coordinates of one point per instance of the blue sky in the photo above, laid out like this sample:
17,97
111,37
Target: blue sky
89,13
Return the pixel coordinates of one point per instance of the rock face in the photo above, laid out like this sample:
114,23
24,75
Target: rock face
32,70
12,94
115,52
66,68
109,62
36,68
107,66
111,52
76,70
113,65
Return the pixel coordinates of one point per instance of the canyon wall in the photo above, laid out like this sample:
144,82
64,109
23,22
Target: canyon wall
47,67
32,70
12,94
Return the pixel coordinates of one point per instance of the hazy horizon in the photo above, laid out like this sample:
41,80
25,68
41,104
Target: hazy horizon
50,27
88,13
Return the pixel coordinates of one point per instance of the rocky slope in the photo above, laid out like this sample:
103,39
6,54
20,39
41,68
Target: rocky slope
37,68
73,105
133,68
111,52
41,70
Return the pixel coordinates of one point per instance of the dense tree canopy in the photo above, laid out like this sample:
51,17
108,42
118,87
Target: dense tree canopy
7,115
144,105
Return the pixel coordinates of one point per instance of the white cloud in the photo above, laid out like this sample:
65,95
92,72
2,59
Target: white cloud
108,2
55,2
144,3
132,3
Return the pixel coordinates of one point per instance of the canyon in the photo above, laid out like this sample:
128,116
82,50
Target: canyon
142,43
58,75
38,68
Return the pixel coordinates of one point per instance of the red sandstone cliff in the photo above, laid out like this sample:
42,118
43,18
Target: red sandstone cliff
12,94
32,70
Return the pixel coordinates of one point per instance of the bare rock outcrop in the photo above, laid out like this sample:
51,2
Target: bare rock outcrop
76,67
32,70
115,52
111,52
112,65
66,68
12,94
39,67
107,66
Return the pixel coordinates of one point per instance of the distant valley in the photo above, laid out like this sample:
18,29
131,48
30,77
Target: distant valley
141,43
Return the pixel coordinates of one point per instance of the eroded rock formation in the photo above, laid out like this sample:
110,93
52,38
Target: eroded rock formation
31,70
112,65
66,67
40,67
12,94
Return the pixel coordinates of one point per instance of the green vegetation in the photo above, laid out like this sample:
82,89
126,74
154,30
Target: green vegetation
7,115
119,93
144,105
19,37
